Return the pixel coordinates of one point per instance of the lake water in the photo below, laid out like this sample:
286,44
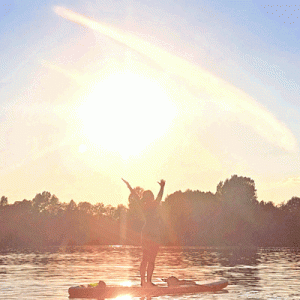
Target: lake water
268,273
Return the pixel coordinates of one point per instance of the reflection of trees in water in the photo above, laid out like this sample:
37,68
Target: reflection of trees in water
246,276
232,256
293,255
170,256
201,256
197,256
240,265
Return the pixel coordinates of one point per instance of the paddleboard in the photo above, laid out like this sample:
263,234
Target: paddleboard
113,291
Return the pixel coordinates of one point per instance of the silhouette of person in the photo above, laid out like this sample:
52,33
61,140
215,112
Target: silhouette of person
151,232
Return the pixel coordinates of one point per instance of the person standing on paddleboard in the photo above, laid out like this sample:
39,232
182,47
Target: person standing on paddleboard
151,232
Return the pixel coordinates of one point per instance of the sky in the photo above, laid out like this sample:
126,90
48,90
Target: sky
192,92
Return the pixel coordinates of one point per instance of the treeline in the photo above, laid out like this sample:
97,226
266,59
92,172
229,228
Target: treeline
232,216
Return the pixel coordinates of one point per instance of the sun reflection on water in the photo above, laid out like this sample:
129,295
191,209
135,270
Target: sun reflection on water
124,297
258,273
126,283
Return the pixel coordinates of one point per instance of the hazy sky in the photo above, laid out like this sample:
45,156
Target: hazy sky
189,91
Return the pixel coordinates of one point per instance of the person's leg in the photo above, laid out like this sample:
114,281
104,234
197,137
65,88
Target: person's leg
143,268
144,262
151,263
150,269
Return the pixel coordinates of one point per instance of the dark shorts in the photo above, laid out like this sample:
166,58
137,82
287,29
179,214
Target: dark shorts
150,249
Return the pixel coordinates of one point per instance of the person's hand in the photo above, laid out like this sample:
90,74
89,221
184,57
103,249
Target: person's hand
162,183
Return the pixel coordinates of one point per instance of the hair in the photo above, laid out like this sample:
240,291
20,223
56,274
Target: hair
147,195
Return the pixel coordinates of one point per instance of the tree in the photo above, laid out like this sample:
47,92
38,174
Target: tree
45,202
120,212
292,206
239,202
25,205
99,209
71,206
3,201
85,207
237,190
291,221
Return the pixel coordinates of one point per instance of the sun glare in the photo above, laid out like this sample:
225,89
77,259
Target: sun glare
127,283
125,113
124,297
82,148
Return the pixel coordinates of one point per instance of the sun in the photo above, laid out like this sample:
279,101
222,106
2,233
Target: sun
126,112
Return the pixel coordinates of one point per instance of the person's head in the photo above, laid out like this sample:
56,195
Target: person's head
148,196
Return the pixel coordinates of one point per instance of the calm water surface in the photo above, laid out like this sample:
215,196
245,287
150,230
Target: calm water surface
252,273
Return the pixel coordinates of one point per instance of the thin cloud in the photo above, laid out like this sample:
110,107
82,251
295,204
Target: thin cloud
227,96
72,75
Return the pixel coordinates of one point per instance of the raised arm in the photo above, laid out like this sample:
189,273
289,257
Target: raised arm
161,191
132,191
